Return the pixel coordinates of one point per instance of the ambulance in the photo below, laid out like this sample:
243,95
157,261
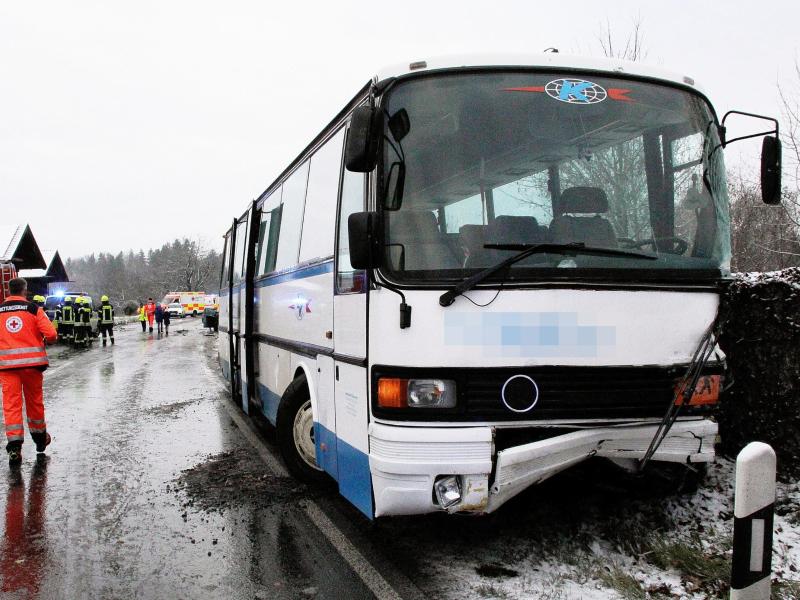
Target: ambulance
193,303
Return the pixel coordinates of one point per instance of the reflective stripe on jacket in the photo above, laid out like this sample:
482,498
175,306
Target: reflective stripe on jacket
67,314
83,316
106,314
23,329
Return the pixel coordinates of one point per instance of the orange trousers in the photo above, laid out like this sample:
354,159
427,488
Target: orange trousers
17,383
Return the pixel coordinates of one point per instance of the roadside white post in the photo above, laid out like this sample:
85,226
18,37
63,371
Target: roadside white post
752,523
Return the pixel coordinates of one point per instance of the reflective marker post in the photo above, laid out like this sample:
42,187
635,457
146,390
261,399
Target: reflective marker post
754,503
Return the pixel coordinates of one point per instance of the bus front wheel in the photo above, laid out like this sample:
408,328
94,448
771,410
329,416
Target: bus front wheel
295,433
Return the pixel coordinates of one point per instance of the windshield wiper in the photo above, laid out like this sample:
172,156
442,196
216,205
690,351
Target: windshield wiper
526,250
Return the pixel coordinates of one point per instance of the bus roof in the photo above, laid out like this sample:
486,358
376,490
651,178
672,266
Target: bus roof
549,60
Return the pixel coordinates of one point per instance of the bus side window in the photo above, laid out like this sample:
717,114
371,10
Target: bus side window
239,251
348,280
268,239
323,183
223,277
293,201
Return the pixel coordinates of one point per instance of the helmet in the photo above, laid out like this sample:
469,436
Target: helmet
68,300
38,298
79,300
103,298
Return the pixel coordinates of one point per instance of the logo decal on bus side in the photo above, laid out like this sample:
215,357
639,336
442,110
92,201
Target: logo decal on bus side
301,306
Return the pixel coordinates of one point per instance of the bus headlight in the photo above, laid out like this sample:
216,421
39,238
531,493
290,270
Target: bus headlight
416,393
431,393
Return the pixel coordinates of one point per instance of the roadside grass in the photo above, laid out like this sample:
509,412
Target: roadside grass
491,592
785,590
623,583
709,572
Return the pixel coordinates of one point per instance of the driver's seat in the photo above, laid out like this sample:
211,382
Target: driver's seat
572,222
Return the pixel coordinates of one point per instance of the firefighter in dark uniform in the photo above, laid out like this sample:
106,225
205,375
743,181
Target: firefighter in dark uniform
38,300
66,320
83,318
105,316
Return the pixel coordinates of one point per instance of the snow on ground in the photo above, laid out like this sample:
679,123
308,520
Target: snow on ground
581,536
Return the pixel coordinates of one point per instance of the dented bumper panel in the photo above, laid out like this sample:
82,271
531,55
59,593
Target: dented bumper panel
405,461
522,466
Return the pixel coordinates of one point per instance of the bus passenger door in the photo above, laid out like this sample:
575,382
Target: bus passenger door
350,357
238,390
247,312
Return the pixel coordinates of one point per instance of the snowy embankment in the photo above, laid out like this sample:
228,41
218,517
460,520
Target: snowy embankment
760,319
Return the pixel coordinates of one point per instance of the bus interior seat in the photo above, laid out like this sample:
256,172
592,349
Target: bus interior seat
471,239
417,244
506,229
580,218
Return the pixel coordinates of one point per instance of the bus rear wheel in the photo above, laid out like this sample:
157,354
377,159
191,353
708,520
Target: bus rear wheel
295,433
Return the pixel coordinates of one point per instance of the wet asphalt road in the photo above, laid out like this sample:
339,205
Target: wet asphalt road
102,515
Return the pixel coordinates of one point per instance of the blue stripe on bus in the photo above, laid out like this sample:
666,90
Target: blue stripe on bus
301,273
269,403
355,481
326,450
310,271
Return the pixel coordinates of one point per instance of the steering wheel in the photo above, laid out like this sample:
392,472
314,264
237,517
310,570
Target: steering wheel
670,245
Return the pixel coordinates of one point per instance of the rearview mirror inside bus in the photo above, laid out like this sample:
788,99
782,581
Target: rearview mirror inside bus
363,230
363,139
395,182
771,170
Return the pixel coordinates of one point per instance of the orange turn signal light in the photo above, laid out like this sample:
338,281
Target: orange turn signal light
392,392
705,392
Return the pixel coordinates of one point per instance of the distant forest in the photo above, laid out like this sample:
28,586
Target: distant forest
132,277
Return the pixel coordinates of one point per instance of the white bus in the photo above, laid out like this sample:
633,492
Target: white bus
559,227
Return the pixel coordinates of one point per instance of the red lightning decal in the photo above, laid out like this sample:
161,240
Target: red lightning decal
619,94
533,88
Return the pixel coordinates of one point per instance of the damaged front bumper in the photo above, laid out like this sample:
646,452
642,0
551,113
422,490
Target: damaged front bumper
405,461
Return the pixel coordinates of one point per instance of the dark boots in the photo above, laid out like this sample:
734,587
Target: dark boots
14,450
42,440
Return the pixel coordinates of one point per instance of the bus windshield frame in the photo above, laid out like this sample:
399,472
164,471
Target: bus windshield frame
525,156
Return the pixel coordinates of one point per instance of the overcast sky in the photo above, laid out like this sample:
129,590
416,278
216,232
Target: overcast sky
128,124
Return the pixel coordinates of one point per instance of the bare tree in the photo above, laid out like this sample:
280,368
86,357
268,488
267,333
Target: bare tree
790,137
763,238
632,49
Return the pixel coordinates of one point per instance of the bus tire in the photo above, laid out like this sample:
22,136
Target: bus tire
295,433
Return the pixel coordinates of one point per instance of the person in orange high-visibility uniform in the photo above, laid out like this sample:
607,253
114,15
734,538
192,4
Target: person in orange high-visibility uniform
150,307
24,327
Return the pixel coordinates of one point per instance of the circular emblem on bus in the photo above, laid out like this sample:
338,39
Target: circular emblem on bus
14,324
520,393
575,91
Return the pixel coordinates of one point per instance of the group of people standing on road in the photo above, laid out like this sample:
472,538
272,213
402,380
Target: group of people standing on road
152,311
74,320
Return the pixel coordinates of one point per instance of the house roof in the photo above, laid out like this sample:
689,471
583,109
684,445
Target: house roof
18,246
55,270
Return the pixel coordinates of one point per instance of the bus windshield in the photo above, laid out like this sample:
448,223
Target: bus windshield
497,161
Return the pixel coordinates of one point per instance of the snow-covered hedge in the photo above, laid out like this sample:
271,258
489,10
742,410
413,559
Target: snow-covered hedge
760,317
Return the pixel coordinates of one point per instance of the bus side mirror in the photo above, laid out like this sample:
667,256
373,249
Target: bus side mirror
363,139
771,170
365,232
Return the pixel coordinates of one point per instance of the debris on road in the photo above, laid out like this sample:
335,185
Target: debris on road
234,478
